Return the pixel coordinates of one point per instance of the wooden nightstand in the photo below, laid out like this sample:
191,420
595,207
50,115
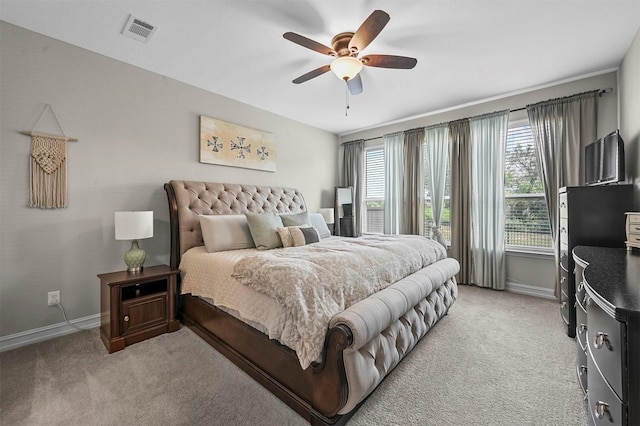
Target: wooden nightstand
137,306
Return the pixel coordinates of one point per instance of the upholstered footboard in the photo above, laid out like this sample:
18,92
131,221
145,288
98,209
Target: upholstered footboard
387,325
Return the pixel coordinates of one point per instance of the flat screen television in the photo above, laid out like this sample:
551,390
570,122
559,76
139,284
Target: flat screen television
604,160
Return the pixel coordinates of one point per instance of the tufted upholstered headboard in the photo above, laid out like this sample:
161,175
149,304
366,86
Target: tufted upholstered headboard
189,199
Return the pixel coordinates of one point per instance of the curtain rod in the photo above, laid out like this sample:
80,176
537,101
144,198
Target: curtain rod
600,93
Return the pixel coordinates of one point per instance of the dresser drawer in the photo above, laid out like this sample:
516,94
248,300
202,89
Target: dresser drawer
562,204
564,256
581,292
633,238
605,337
564,307
581,324
581,372
563,231
633,218
605,408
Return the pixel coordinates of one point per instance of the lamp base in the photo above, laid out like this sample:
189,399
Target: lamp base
134,258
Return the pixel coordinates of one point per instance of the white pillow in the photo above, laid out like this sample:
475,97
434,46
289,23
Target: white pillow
225,232
317,220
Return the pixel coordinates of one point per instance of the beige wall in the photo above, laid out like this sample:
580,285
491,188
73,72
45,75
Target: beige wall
630,114
136,130
533,274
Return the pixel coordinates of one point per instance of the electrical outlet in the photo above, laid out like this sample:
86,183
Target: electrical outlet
54,298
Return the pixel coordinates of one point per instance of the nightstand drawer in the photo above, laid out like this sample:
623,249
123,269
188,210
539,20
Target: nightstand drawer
605,337
633,238
143,312
634,218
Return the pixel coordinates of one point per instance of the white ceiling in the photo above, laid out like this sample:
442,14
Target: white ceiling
466,50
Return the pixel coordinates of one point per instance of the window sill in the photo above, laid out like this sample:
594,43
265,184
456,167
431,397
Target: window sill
542,253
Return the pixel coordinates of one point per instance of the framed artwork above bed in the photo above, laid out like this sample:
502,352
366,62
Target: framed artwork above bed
230,144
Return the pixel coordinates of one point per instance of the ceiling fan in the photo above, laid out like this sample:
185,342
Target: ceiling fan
346,47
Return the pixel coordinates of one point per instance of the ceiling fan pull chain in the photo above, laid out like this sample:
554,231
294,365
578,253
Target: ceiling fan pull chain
346,94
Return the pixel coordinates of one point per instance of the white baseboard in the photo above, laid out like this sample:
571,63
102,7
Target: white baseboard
52,331
530,290
28,337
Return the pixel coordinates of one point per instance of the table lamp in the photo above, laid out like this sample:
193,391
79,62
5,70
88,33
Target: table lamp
134,226
329,217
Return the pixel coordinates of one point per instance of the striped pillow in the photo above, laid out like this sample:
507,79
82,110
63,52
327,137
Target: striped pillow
296,236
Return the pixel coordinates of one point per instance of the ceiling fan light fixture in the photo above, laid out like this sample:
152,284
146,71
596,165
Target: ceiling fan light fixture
346,67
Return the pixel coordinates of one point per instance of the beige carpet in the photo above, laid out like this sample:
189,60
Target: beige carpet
496,359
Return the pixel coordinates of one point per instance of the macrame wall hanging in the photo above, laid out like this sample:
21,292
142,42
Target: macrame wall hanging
48,166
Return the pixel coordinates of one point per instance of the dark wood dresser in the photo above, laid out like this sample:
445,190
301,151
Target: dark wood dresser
608,342
589,215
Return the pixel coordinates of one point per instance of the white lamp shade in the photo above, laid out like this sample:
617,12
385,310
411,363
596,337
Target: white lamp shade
327,214
346,67
133,225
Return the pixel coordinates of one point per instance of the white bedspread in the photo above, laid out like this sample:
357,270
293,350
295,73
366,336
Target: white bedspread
317,281
208,275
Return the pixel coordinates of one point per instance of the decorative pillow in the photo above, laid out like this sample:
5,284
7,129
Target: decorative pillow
295,219
317,220
263,228
296,236
225,232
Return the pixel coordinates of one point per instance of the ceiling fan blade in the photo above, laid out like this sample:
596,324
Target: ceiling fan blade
312,74
369,30
355,85
309,44
389,61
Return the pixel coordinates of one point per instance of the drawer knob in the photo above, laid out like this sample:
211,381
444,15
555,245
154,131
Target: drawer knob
601,339
582,328
583,370
126,318
580,286
601,409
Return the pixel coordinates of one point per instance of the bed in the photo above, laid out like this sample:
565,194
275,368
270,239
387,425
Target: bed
361,345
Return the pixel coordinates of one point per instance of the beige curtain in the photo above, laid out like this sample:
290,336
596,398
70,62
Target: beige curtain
561,129
413,222
353,175
459,134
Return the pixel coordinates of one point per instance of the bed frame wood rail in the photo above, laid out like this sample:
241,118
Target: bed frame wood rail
317,393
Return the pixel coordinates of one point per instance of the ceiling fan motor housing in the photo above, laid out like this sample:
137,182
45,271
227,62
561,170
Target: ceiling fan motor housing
340,44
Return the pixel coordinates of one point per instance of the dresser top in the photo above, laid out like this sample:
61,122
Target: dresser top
614,275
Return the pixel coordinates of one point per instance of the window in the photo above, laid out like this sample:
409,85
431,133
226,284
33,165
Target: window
374,190
527,220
